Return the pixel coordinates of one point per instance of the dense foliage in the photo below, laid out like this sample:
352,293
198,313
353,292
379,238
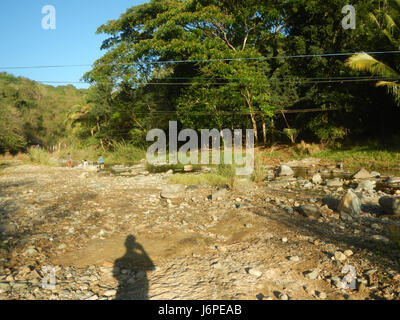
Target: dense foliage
32,113
224,64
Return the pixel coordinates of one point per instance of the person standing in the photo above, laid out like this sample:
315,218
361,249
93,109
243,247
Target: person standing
69,161
101,163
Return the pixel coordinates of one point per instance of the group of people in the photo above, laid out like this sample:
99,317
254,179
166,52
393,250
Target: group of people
86,163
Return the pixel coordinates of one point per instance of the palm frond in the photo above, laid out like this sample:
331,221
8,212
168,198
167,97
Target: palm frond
365,62
393,89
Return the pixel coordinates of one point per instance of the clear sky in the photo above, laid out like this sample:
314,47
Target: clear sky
23,41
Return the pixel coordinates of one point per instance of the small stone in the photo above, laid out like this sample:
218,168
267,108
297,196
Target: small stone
283,296
336,182
390,205
284,171
172,191
312,275
294,259
340,256
348,253
312,212
380,238
284,240
110,293
108,264
255,272
321,295
140,274
361,174
316,178
219,194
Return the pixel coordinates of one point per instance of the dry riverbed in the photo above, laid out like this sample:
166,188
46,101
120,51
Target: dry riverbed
137,237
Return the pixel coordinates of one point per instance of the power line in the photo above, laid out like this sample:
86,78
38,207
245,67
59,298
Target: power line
200,60
323,80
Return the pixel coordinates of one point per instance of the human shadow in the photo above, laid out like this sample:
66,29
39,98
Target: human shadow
131,272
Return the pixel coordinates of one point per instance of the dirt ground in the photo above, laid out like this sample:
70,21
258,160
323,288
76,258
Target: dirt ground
115,237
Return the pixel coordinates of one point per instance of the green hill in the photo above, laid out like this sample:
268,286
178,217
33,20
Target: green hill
33,113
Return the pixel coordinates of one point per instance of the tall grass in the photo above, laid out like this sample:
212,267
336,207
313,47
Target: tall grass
260,171
126,153
40,157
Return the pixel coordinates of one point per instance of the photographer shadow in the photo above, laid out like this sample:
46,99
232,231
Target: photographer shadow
131,272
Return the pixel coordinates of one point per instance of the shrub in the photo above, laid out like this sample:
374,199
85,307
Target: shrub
40,157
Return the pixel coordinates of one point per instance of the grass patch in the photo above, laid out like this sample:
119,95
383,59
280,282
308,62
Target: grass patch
366,157
212,179
225,176
394,235
40,157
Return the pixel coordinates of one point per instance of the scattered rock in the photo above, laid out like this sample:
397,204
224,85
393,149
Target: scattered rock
284,171
340,256
316,178
366,185
393,181
336,182
390,205
350,206
110,293
348,253
172,191
380,238
312,212
331,202
283,296
361,174
375,174
218,195
255,272
312,275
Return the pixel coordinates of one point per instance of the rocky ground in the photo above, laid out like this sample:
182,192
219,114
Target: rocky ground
134,236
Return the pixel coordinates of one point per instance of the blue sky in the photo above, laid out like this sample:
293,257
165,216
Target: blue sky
24,42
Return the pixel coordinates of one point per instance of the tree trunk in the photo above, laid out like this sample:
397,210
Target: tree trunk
247,97
264,133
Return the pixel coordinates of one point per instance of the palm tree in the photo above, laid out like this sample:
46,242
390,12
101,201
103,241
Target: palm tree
387,19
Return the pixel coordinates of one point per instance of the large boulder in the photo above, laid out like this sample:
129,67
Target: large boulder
366,185
349,206
172,191
390,205
284,171
316,178
362,174
331,202
334,183
393,181
312,212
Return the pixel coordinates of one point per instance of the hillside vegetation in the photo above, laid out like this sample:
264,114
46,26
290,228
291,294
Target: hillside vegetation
33,113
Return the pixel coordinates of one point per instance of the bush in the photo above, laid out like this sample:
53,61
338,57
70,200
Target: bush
227,171
123,152
304,148
260,171
291,133
326,131
40,157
